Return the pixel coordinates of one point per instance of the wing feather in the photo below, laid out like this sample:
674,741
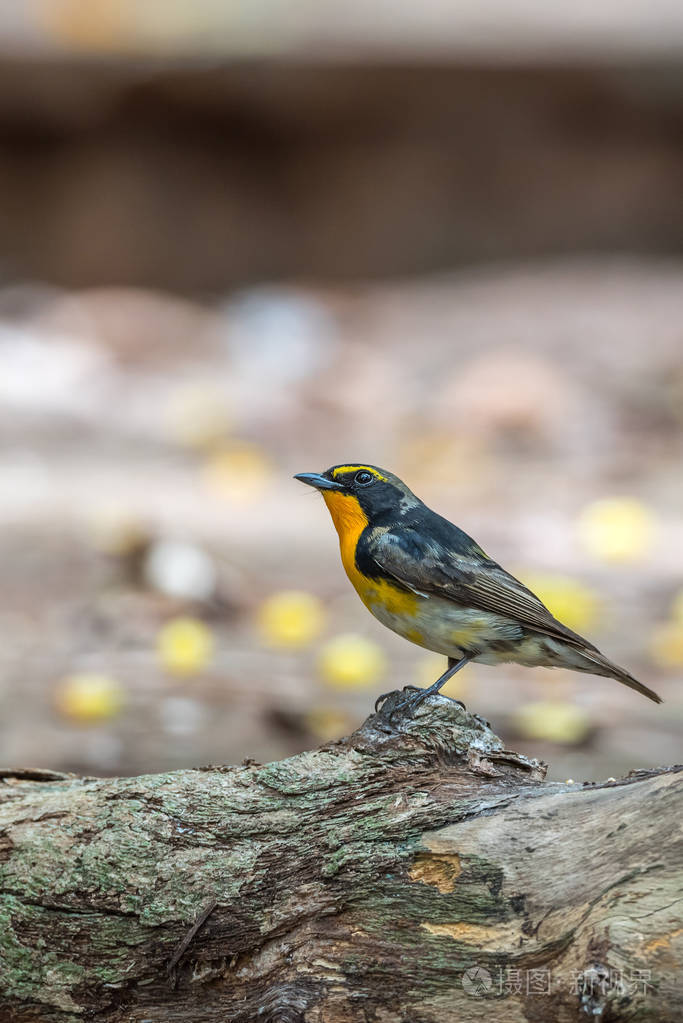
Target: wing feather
471,580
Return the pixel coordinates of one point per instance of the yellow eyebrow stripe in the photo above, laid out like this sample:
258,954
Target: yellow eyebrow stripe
341,469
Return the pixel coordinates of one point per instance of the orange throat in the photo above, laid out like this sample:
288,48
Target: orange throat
378,595
349,520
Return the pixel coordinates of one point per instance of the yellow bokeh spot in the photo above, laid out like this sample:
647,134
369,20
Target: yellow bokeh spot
104,25
328,723
291,619
666,644
430,457
350,661
185,646
677,608
115,532
199,417
428,668
552,721
89,697
237,472
616,529
572,602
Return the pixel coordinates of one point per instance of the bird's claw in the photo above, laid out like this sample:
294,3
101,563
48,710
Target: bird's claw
381,699
406,706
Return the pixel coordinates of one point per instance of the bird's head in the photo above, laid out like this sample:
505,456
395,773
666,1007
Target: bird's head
376,493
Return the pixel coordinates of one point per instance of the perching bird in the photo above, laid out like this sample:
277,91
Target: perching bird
427,580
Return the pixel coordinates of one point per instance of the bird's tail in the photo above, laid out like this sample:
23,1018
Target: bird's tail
601,665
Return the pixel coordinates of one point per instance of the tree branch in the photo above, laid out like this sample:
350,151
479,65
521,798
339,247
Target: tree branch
359,881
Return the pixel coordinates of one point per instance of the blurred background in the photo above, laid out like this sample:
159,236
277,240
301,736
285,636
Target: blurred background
243,241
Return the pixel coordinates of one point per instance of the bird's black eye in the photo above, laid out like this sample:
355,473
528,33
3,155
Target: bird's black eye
363,478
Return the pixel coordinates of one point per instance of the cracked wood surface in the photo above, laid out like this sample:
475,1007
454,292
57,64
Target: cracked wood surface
356,882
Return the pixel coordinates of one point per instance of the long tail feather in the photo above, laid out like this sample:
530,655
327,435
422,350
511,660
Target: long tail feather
611,670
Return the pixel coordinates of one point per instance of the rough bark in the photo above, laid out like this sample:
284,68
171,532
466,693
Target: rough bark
357,882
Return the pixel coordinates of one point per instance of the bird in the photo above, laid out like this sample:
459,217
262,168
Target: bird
424,578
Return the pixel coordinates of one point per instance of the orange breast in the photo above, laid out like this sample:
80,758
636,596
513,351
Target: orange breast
350,520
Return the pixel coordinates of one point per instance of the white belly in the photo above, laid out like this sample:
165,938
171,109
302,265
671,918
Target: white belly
444,627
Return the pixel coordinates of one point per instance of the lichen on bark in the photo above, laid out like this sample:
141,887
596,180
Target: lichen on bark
354,882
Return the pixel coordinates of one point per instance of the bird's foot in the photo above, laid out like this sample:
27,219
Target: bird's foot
393,709
392,692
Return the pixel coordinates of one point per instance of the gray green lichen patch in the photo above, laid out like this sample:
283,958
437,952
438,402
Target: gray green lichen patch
30,971
351,857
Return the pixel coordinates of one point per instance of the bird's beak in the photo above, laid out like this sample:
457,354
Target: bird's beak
314,479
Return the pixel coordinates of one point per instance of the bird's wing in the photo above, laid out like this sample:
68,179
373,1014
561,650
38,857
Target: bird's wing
471,580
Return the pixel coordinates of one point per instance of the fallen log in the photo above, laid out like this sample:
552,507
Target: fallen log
418,873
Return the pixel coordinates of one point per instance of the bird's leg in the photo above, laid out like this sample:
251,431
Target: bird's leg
456,665
416,698
453,666
380,699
